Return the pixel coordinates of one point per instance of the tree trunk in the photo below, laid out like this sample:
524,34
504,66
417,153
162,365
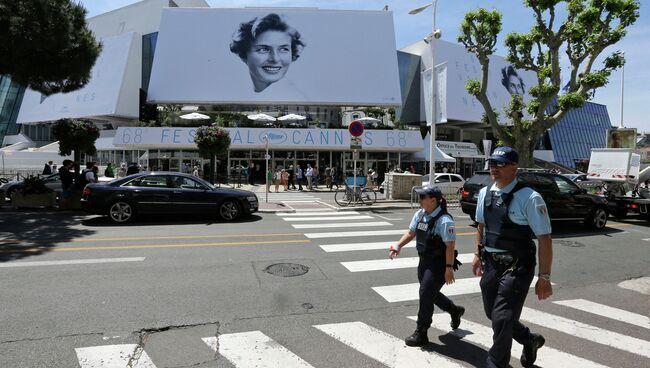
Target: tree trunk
212,169
525,148
76,157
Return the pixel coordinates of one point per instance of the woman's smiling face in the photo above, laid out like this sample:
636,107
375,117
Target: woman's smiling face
269,58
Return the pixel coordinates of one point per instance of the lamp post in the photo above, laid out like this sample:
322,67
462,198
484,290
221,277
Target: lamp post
620,125
430,39
266,174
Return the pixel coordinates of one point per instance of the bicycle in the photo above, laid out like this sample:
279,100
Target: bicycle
355,194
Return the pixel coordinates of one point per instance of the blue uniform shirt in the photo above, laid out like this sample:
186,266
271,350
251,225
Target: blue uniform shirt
445,227
527,208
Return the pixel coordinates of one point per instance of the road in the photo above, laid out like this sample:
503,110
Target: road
80,292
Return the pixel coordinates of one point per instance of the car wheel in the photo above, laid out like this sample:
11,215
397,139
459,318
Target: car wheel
598,219
121,212
230,210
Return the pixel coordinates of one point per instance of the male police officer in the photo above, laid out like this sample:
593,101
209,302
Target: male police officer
508,215
435,243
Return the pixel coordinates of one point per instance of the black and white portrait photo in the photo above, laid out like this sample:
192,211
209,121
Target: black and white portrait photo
268,46
512,81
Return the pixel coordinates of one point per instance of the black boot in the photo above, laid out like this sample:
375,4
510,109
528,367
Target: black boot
419,338
529,354
455,316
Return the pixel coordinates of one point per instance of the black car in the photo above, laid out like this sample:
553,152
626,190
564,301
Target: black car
564,199
165,193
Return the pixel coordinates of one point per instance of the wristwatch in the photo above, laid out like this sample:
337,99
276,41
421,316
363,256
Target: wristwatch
545,276
449,265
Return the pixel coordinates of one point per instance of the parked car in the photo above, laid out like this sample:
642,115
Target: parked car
564,199
165,193
51,181
448,183
584,181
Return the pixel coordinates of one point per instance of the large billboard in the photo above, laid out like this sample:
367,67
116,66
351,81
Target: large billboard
275,56
621,138
113,89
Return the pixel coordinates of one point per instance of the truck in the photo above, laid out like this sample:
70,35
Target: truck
620,170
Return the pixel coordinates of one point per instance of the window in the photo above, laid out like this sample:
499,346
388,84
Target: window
186,183
564,185
153,181
442,179
456,179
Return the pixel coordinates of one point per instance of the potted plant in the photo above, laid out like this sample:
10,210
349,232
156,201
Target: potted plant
33,194
212,140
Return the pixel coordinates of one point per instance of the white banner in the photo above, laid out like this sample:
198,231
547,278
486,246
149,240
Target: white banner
441,93
487,150
276,56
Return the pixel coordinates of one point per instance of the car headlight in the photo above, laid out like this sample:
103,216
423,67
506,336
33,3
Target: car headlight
252,198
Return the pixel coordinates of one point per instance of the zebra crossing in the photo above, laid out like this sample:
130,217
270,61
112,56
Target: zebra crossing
259,349
265,349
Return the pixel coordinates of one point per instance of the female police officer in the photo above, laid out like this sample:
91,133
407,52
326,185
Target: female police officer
435,236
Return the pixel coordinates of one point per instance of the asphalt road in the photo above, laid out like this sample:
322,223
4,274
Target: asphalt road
77,289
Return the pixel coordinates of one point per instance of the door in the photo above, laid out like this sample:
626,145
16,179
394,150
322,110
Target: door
191,196
444,183
578,204
150,194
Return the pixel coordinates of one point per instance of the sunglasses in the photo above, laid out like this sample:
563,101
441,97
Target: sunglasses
498,164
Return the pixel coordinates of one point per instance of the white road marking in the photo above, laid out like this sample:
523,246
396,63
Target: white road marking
343,224
254,349
482,335
410,292
328,218
640,285
384,348
397,263
113,356
388,218
587,332
607,311
647,239
349,247
71,262
304,212
347,234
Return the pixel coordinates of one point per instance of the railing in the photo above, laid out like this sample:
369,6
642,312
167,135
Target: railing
19,174
452,195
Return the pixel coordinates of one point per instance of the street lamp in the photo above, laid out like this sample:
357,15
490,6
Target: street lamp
620,125
266,172
430,39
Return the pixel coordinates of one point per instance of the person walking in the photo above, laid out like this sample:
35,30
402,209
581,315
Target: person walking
285,179
509,214
110,171
67,184
47,169
434,230
310,176
277,178
299,176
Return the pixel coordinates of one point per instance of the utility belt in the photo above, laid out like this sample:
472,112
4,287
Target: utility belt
509,259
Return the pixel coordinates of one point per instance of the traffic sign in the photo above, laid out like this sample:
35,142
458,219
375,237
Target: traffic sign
355,143
355,128
267,157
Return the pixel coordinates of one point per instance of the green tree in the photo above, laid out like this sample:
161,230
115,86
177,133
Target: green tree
46,44
590,26
78,136
212,141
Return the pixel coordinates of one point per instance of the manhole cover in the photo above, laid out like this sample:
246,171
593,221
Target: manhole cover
287,269
569,243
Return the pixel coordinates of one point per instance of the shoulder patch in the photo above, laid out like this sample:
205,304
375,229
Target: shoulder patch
542,209
451,230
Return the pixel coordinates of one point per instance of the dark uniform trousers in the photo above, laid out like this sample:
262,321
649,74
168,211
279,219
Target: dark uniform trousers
504,290
431,274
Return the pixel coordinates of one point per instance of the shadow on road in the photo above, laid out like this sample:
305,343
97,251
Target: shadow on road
25,235
103,221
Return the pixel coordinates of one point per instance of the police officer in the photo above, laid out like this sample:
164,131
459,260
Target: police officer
509,214
435,236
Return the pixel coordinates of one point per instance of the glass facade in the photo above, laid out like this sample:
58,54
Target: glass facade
578,132
148,51
11,96
409,80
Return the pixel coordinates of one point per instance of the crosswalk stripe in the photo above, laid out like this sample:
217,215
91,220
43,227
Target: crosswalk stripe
254,349
482,335
343,224
587,332
640,285
347,234
304,212
409,292
384,348
397,263
607,311
350,247
114,356
328,218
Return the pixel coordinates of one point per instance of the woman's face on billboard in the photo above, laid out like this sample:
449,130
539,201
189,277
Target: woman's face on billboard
269,58
515,86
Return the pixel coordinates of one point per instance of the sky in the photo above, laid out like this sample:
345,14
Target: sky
516,18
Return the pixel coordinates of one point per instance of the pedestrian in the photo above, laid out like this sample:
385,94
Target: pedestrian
299,176
47,169
67,184
110,171
375,178
285,179
251,173
314,177
434,230
133,169
195,171
292,175
509,214
269,179
277,178
445,169
310,176
54,169
412,169
121,172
